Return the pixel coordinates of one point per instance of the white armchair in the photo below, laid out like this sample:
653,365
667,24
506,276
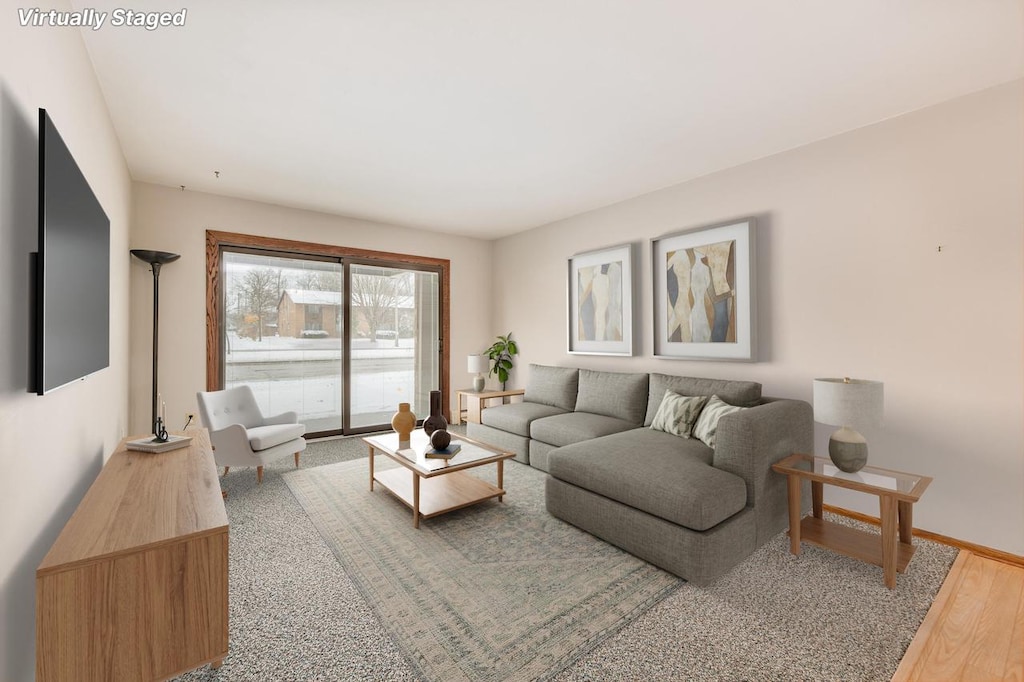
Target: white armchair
242,436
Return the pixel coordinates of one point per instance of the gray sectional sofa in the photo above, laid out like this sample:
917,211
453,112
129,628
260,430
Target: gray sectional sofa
688,508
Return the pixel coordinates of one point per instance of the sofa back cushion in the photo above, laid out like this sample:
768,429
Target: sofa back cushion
741,393
555,386
614,394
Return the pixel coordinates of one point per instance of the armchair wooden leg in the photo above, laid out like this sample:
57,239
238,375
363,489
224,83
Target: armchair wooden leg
296,459
226,470
259,475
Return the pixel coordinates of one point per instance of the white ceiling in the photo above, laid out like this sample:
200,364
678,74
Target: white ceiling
488,117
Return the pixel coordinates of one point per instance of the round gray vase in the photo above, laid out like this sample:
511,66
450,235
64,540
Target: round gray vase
848,456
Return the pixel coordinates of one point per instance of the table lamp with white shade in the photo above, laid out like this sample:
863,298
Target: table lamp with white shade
851,404
478,365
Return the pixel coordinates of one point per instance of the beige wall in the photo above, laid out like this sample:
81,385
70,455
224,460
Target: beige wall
851,283
171,220
51,446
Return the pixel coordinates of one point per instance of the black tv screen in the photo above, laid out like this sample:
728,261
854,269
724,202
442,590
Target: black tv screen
72,335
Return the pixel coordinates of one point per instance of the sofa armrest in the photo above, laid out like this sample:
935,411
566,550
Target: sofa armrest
750,441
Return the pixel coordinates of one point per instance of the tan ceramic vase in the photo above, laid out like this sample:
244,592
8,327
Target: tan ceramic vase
403,422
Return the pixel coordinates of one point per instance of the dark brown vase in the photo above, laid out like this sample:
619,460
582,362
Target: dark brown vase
436,420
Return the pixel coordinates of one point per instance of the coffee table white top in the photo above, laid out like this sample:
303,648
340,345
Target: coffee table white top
473,453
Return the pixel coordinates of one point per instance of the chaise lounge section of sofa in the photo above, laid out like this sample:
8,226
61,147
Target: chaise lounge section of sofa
688,508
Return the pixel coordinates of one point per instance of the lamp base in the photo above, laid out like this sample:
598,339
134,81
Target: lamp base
478,383
848,450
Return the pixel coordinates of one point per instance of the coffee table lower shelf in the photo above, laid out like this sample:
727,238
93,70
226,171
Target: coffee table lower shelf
438,494
852,542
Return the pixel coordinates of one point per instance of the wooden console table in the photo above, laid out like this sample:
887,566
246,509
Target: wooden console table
476,401
136,585
897,492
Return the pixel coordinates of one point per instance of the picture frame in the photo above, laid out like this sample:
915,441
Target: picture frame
714,264
601,301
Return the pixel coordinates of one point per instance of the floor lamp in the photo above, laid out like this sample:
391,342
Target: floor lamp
156,259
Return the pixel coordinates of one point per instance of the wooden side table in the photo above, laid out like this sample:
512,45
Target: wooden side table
897,492
476,401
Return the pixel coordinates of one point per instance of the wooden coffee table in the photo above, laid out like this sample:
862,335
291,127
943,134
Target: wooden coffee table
897,492
431,487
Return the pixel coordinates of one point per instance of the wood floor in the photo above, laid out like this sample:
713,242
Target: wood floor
975,627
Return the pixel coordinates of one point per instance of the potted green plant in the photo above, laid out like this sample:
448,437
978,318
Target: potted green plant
500,354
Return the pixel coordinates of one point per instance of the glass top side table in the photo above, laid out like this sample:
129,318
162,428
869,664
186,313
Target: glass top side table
476,401
897,492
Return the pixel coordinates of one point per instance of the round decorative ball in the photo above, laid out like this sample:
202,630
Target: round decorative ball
440,439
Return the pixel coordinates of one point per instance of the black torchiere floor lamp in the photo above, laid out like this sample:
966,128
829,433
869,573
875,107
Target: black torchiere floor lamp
156,259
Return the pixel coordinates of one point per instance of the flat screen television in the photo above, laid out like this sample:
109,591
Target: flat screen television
72,294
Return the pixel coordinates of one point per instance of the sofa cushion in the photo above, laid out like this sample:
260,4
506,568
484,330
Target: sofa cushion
613,394
678,414
654,472
263,437
707,424
555,386
572,427
742,393
516,417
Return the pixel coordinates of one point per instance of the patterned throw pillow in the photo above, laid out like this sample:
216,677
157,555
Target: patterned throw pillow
706,427
677,413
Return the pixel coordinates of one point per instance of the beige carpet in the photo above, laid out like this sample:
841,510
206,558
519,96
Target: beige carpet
498,591
503,591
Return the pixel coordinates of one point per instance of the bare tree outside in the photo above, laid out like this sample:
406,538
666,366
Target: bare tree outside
312,280
374,295
378,296
260,291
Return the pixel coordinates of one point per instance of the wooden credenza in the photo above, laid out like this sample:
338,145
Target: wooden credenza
136,585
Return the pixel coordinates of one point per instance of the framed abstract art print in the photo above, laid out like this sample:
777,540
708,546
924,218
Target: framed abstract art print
704,297
601,301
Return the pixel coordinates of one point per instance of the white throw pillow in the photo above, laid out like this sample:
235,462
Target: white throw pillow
706,427
677,413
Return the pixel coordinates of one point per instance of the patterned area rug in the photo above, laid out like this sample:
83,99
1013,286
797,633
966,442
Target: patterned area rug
496,591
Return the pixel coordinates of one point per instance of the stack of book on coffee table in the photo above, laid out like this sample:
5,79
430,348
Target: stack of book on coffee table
446,453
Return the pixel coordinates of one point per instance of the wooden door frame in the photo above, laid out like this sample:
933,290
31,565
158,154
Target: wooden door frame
216,241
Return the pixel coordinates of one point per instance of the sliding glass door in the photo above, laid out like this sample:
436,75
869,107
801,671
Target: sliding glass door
339,340
283,335
394,344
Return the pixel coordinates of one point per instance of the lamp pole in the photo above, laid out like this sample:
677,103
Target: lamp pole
155,259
